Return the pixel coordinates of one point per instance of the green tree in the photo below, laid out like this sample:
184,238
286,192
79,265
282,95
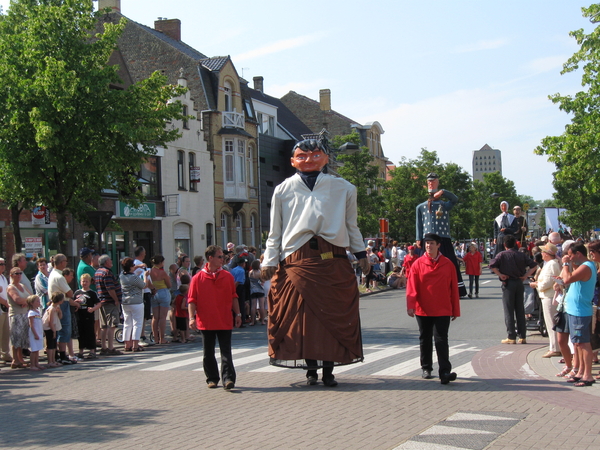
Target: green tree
66,132
576,152
357,168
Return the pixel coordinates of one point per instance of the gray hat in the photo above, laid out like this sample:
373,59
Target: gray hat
432,176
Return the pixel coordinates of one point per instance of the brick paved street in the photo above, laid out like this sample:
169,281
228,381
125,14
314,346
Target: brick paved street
508,398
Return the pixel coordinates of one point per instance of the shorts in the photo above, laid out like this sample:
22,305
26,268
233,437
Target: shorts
50,340
109,316
181,323
162,298
581,329
147,306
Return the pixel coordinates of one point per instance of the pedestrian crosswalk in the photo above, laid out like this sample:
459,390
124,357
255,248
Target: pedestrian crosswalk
380,360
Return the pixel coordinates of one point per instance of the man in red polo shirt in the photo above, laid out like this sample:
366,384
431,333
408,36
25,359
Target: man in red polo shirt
432,296
210,304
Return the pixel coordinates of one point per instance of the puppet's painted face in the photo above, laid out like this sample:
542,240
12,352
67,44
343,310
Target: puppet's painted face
432,185
309,161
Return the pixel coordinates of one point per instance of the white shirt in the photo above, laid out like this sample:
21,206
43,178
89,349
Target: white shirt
57,283
298,214
140,273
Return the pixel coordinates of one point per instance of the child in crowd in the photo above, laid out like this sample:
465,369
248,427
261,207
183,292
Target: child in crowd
181,310
51,325
88,305
36,341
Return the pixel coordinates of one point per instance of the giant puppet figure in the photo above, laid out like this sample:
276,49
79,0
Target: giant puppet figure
504,225
313,301
433,216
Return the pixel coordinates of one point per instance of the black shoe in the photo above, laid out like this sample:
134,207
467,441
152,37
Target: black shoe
426,374
311,380
447,377
330,382
470,295
64,362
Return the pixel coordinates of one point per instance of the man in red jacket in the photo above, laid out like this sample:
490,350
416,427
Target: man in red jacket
211,301
432,296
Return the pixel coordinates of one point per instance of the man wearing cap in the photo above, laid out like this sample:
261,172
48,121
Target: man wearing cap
85,266
432,296
504,225
512,267
433,216
313,301
521,226
409,260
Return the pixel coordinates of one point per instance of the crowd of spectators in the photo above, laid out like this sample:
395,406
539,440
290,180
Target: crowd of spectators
44,313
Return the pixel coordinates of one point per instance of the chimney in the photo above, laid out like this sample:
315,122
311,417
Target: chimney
115,5
258,83
325,99
170,27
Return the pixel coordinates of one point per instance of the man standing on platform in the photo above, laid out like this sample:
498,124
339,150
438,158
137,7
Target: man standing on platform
432,296
313,301
504,225
433,216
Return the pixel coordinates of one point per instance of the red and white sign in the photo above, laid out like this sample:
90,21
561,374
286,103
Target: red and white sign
40,215
33,245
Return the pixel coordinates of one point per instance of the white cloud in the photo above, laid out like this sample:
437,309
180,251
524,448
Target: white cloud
279,46
547,64
481,45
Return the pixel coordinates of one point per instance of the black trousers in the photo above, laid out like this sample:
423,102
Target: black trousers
512,300
211,370
435,328
327,369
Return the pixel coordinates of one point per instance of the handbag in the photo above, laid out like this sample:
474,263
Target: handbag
595,340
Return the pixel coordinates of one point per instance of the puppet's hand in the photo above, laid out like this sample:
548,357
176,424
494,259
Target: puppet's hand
267,273
364,265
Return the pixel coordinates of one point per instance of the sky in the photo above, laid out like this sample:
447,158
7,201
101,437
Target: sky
448,76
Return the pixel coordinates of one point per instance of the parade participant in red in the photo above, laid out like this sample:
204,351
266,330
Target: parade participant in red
211,300
313,301
409,260
432,296
472,262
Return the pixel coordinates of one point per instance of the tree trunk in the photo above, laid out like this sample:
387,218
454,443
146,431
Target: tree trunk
15,212
61,224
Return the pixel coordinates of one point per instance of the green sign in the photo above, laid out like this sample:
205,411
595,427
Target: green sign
144,211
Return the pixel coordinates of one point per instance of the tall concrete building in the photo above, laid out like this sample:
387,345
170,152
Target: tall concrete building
486,160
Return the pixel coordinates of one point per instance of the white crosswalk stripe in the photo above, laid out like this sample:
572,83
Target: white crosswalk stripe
380,360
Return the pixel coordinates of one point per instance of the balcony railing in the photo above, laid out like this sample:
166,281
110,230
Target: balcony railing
232,119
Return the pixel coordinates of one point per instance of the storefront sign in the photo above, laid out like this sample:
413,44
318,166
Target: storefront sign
144,211
40,215
33,245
